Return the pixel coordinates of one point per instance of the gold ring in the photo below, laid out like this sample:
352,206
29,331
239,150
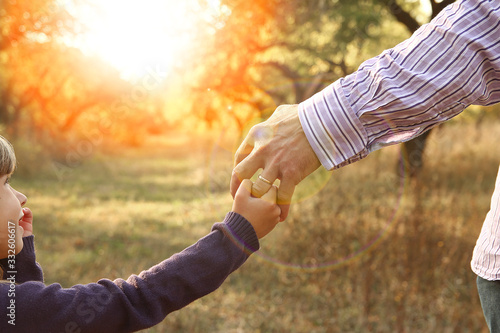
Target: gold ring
265,180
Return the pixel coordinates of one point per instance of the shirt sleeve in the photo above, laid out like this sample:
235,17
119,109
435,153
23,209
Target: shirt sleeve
445,66
139,302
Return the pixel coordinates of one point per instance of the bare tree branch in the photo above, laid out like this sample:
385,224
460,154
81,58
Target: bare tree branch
439,6
401,15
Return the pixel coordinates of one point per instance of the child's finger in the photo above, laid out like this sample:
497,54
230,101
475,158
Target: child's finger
26,222
270,196
28,215
245,188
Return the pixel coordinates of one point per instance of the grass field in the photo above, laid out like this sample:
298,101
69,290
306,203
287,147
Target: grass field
362,249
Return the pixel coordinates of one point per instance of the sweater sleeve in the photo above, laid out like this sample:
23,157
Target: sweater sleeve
24,266
447,65
139,302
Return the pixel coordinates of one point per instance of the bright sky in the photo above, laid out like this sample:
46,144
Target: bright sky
134,34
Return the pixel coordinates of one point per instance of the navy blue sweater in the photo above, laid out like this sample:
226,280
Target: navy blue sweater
129,305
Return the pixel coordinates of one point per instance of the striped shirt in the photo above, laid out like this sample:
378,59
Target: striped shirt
445,66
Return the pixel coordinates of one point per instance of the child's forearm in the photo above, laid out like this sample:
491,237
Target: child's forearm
140,301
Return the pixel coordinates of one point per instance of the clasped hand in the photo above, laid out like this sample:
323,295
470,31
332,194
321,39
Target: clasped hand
280,148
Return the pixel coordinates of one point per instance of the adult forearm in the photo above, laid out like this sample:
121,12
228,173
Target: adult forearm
445,66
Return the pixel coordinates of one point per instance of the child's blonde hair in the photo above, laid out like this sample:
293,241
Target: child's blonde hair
7,167
7,157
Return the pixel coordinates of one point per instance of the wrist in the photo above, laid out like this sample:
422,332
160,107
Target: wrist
238,228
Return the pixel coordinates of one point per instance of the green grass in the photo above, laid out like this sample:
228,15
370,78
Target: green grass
361,251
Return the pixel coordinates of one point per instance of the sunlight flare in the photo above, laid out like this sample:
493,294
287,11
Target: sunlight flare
132,35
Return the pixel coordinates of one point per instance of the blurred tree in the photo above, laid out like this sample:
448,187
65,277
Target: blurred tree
54,93
267,53
249,58
24,22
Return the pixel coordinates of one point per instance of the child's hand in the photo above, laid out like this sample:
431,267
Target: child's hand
263,213
27,222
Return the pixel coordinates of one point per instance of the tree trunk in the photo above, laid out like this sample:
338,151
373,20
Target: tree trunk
413,156
413,150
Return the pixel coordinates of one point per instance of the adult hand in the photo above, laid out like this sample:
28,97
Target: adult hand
280,147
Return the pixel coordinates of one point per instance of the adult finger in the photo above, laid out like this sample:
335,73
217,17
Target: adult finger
243,151
235,183
270,196
264,182
285,193
245,148
244,170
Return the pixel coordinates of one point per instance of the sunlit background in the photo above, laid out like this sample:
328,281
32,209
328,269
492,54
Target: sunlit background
136,71
132,35
139,71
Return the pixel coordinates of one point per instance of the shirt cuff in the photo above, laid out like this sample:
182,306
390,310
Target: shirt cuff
334,131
